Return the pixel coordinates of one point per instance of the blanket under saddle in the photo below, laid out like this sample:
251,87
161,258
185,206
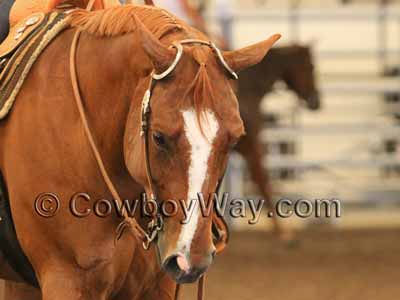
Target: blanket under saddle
31,37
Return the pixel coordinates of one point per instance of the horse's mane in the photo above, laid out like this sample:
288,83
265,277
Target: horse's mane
120,20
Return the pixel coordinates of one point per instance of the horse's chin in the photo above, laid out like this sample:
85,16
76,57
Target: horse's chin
188,278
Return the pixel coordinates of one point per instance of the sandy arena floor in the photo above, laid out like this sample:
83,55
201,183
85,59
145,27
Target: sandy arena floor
328,265
325,265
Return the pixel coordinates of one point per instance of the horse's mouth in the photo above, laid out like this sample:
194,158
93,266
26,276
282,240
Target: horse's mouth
189,277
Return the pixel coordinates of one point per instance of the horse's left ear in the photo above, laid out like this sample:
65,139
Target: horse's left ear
244,58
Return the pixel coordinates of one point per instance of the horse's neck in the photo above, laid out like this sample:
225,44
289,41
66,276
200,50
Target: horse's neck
270,70
107,94
118,64
258,81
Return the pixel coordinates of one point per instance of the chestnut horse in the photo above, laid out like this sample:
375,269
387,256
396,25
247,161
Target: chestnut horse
292,65
44,144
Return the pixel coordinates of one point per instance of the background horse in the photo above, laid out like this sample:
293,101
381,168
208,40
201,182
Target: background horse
77,257
294,66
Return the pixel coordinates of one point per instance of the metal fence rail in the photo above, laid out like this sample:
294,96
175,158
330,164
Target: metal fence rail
277,162
310,15
295,16
381,15
279,133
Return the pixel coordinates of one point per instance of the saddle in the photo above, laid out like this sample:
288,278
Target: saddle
19,33
24,44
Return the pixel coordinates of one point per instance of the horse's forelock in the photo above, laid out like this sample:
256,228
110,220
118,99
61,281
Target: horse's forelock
201,90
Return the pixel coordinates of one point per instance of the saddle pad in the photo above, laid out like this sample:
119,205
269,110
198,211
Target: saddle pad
9,244
20,63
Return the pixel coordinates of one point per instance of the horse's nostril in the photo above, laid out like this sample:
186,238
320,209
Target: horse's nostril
176,263
171,265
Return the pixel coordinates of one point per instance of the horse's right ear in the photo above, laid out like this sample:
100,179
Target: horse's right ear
160,55
244,58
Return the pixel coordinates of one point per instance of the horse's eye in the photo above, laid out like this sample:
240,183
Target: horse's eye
159,139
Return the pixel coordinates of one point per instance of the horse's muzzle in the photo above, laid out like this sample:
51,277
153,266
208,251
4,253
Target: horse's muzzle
180,269
314,102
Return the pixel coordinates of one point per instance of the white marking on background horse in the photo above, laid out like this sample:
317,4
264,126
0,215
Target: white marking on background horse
201,146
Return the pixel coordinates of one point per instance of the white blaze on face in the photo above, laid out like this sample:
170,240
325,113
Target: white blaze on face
201,143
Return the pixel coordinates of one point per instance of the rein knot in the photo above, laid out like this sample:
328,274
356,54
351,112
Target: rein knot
133,227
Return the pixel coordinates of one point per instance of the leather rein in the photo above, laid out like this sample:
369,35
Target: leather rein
157,222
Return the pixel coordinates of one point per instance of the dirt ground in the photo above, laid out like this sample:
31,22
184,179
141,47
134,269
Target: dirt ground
326,265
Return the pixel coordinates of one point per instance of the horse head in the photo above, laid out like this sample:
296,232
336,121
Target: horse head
194,122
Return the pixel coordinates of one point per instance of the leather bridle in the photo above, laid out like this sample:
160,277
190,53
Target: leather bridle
157,222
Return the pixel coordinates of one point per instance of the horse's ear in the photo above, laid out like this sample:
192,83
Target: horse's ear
160,55
244,58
